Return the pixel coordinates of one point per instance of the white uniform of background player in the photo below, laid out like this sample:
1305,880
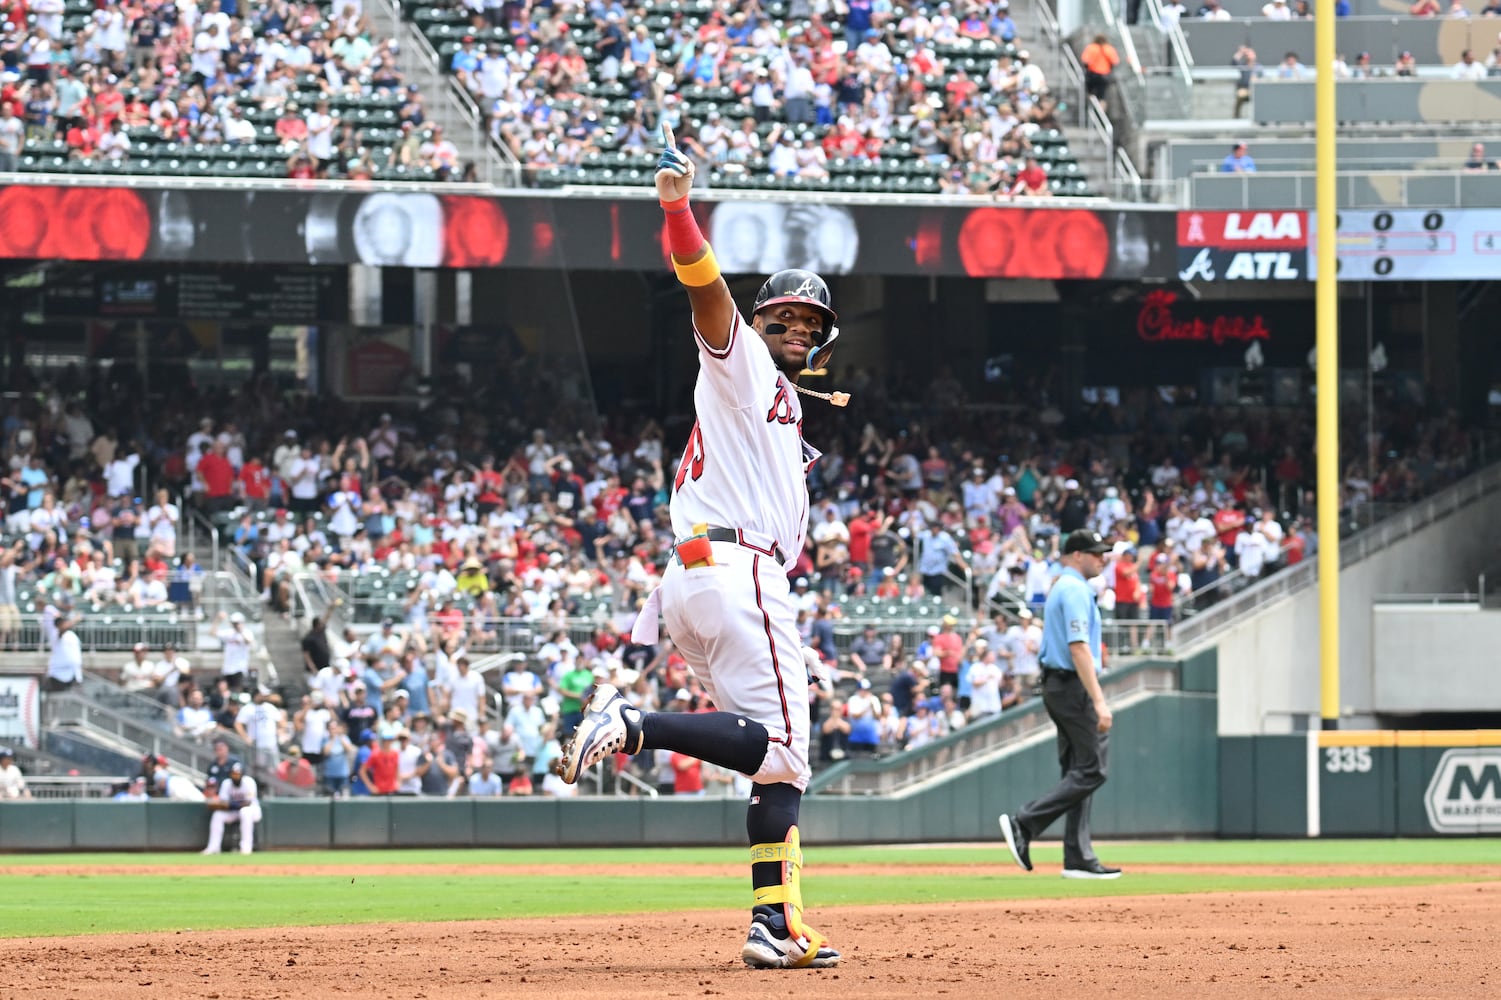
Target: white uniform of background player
237,789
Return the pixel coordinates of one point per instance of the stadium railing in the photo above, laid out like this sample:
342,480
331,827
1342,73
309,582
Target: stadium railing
906,768
1433,41
1396,101
1291,189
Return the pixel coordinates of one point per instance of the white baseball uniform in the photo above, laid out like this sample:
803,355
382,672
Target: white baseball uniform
745,467
249,814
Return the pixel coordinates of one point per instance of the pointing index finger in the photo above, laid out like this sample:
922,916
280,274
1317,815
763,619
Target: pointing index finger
667,139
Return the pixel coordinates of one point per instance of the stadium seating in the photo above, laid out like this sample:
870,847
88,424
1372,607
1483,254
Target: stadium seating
898,170
154,151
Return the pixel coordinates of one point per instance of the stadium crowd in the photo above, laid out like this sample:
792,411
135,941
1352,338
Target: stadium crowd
458,531
113,81
788,92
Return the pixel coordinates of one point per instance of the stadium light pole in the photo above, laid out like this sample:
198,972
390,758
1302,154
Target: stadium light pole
1326,300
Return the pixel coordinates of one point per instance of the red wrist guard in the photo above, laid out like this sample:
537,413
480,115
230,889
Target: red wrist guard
683,236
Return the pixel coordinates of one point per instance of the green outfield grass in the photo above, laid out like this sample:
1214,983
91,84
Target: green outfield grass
40,902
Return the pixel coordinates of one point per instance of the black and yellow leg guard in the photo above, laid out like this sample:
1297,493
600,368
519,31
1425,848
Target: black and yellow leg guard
789,894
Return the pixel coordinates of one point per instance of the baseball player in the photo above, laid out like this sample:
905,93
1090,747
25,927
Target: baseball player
238,802
1073,697
739,513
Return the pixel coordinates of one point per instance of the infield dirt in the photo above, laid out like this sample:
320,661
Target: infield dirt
1409,942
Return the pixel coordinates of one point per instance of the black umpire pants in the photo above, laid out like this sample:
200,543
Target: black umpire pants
1081,756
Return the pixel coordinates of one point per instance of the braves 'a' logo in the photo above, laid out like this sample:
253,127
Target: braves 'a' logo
809,288
692,463
781,407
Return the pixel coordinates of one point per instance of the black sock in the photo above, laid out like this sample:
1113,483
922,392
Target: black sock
773,811
721,738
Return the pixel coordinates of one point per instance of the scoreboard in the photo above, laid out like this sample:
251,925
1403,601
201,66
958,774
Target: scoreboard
1414,244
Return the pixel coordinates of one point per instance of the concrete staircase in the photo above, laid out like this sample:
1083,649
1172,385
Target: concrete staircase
443,103
1094,159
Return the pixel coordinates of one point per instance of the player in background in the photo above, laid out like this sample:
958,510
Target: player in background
739,514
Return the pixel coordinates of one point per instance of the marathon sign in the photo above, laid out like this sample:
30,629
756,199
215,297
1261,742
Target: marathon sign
1464,794
1242,246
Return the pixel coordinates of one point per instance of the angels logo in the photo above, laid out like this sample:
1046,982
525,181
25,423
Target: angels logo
1195,232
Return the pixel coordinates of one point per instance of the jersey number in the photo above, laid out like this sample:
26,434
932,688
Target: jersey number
692,465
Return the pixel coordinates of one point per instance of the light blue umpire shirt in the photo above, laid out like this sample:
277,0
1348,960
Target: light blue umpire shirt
1069,616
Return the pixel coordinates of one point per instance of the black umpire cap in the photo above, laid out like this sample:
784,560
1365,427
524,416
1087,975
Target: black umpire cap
1084,540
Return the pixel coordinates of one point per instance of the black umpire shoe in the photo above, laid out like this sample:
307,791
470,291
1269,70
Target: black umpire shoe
1092,869
1018,842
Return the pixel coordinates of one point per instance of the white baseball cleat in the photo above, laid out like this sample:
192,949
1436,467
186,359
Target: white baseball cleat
610,725
769,945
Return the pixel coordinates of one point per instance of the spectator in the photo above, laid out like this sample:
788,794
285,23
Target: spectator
381,771
1290,68
1238,161
133,792
1426,8
12,137
1276,10
65,664
12,782
1468,67
1248,70
1099,59
1212,11
863,712
1478,162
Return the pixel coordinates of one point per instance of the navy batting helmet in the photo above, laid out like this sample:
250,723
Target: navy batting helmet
797,285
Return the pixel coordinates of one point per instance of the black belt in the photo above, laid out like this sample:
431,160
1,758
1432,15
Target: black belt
720,534
1055,672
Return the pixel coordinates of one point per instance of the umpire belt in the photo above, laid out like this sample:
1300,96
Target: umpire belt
1068,675
715,533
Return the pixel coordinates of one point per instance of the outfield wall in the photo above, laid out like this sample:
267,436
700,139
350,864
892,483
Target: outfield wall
1163,766
1378,783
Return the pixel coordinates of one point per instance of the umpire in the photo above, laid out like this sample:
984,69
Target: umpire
1071,691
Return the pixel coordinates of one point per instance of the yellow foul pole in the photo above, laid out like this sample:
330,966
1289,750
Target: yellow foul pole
1326,298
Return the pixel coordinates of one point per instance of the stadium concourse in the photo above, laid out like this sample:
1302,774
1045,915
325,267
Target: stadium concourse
450,535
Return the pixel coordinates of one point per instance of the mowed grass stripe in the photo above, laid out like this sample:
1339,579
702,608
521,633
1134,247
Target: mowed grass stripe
1356,853
43,905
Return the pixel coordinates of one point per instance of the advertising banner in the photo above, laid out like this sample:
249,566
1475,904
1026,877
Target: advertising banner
20,704
422,229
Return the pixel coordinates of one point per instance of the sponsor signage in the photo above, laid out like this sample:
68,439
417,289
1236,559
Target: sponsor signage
1242,246
19,703
1156,324
1464,795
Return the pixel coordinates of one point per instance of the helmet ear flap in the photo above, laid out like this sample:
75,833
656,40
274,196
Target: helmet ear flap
817,356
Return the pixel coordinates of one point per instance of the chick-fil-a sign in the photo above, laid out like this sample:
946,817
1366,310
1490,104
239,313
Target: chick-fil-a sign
1156,324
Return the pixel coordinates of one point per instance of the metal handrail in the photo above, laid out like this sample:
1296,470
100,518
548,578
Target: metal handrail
981,740
1183,60
68,786
1126,173
484,143
1201,628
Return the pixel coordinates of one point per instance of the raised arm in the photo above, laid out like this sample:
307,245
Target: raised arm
692,257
